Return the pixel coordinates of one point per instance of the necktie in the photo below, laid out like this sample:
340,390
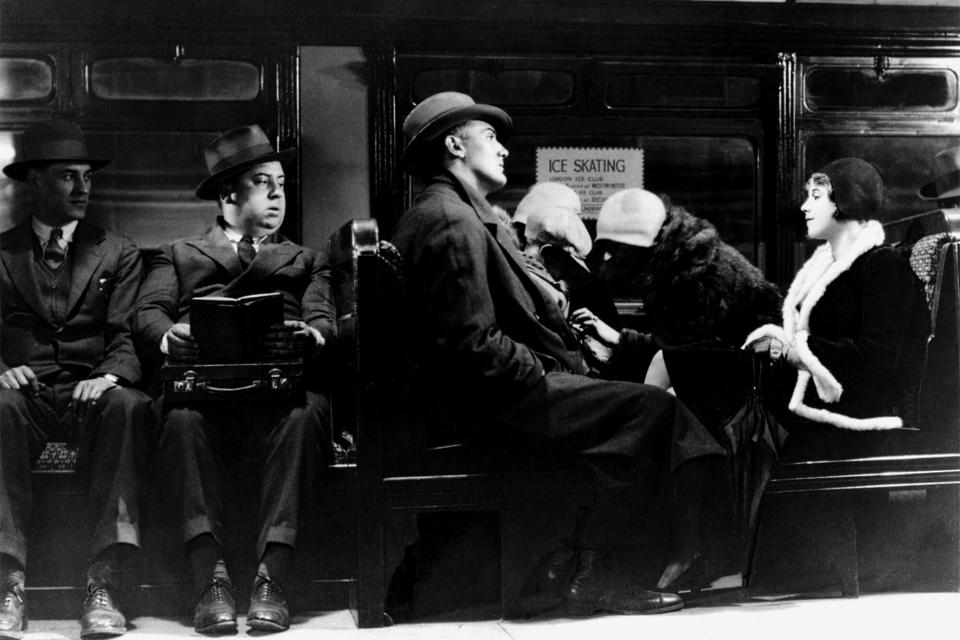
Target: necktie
53,254
245,251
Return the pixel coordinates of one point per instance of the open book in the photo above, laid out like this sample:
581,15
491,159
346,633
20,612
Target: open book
232,329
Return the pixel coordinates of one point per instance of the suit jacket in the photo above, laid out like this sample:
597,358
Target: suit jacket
483,329
96,336
208,265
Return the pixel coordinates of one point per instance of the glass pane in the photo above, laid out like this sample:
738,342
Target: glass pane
25,79
155,79
683,91
835,89
905,163
513,87
15,198
149,196
713,177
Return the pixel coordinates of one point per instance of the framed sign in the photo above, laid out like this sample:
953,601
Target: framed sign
594,173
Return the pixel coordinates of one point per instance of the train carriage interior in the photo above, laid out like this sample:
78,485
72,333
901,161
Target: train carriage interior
726,106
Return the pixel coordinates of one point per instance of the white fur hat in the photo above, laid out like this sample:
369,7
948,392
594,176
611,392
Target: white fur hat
547,194
631,216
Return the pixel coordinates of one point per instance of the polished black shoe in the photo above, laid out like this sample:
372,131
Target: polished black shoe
13,617
588,594
546,586
216,611
268,609
101,618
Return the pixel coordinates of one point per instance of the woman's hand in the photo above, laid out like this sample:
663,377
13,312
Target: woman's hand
586,321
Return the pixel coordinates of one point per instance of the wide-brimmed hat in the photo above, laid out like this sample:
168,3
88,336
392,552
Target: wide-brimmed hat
947,181
51,141
856,187
232,152
441,111
631,216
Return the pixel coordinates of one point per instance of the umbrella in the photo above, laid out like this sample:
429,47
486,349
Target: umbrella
754,439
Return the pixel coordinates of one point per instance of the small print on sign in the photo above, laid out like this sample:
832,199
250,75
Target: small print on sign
594,173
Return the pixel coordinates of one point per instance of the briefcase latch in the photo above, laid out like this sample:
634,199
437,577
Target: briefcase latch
187,384
277,381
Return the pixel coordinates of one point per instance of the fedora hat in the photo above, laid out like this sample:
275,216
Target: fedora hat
441,111
232,152
51,141
947,182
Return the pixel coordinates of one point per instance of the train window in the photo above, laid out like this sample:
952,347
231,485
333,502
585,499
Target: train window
880,85
15,198
714,177
682,91
505,87
187,80
25,79
149,196
904,161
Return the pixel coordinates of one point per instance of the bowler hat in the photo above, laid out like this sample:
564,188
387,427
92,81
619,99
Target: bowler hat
234,151
631,216
947,182
441,111
856,187
51,141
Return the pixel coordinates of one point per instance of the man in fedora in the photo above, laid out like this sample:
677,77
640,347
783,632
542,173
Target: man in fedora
495,353
67,363
242,253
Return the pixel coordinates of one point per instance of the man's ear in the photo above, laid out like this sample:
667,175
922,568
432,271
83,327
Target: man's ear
454,146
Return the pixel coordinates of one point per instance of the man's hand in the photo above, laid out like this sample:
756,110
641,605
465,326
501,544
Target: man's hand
292,339
586,321
180,343
18,378
87,392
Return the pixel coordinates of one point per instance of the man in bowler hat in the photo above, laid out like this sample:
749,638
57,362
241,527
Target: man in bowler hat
495,352
242,253
67,366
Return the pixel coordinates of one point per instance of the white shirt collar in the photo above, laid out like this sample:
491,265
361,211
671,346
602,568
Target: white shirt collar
43,230
234,237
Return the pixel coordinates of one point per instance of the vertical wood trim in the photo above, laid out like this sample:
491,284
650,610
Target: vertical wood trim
385,174
786,165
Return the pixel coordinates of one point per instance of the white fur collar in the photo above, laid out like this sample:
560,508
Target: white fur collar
806,290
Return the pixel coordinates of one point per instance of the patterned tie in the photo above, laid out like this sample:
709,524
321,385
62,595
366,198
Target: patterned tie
245,251
53,254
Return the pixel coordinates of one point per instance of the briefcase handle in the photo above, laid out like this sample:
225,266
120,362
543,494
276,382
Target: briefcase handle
225,391
189,383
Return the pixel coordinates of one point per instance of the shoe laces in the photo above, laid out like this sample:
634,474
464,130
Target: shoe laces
216,589
267,588
99,596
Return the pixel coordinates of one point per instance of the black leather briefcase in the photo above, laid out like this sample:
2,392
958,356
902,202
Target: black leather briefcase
196,382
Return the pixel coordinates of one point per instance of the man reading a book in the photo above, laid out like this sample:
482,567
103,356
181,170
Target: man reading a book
67,363
241,256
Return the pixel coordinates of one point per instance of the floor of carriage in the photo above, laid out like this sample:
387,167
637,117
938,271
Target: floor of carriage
929,615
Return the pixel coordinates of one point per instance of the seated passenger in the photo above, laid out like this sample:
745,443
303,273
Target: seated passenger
67,366
695,288
496,353
854,321
242,254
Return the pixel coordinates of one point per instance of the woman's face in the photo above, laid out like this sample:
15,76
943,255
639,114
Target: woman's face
818,210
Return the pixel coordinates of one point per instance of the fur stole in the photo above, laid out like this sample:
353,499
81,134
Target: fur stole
696,287
806,290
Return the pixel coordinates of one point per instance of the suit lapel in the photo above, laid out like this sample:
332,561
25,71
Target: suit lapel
17,255
274,253
216,246
87,254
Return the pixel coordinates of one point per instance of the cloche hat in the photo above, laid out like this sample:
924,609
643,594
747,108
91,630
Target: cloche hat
51,141
546,194
631,216
856,187
232,152
947,181
439,112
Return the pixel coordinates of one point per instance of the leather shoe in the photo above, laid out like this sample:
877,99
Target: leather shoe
588,595
546,586
216,611
13,617
268,609
101,618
